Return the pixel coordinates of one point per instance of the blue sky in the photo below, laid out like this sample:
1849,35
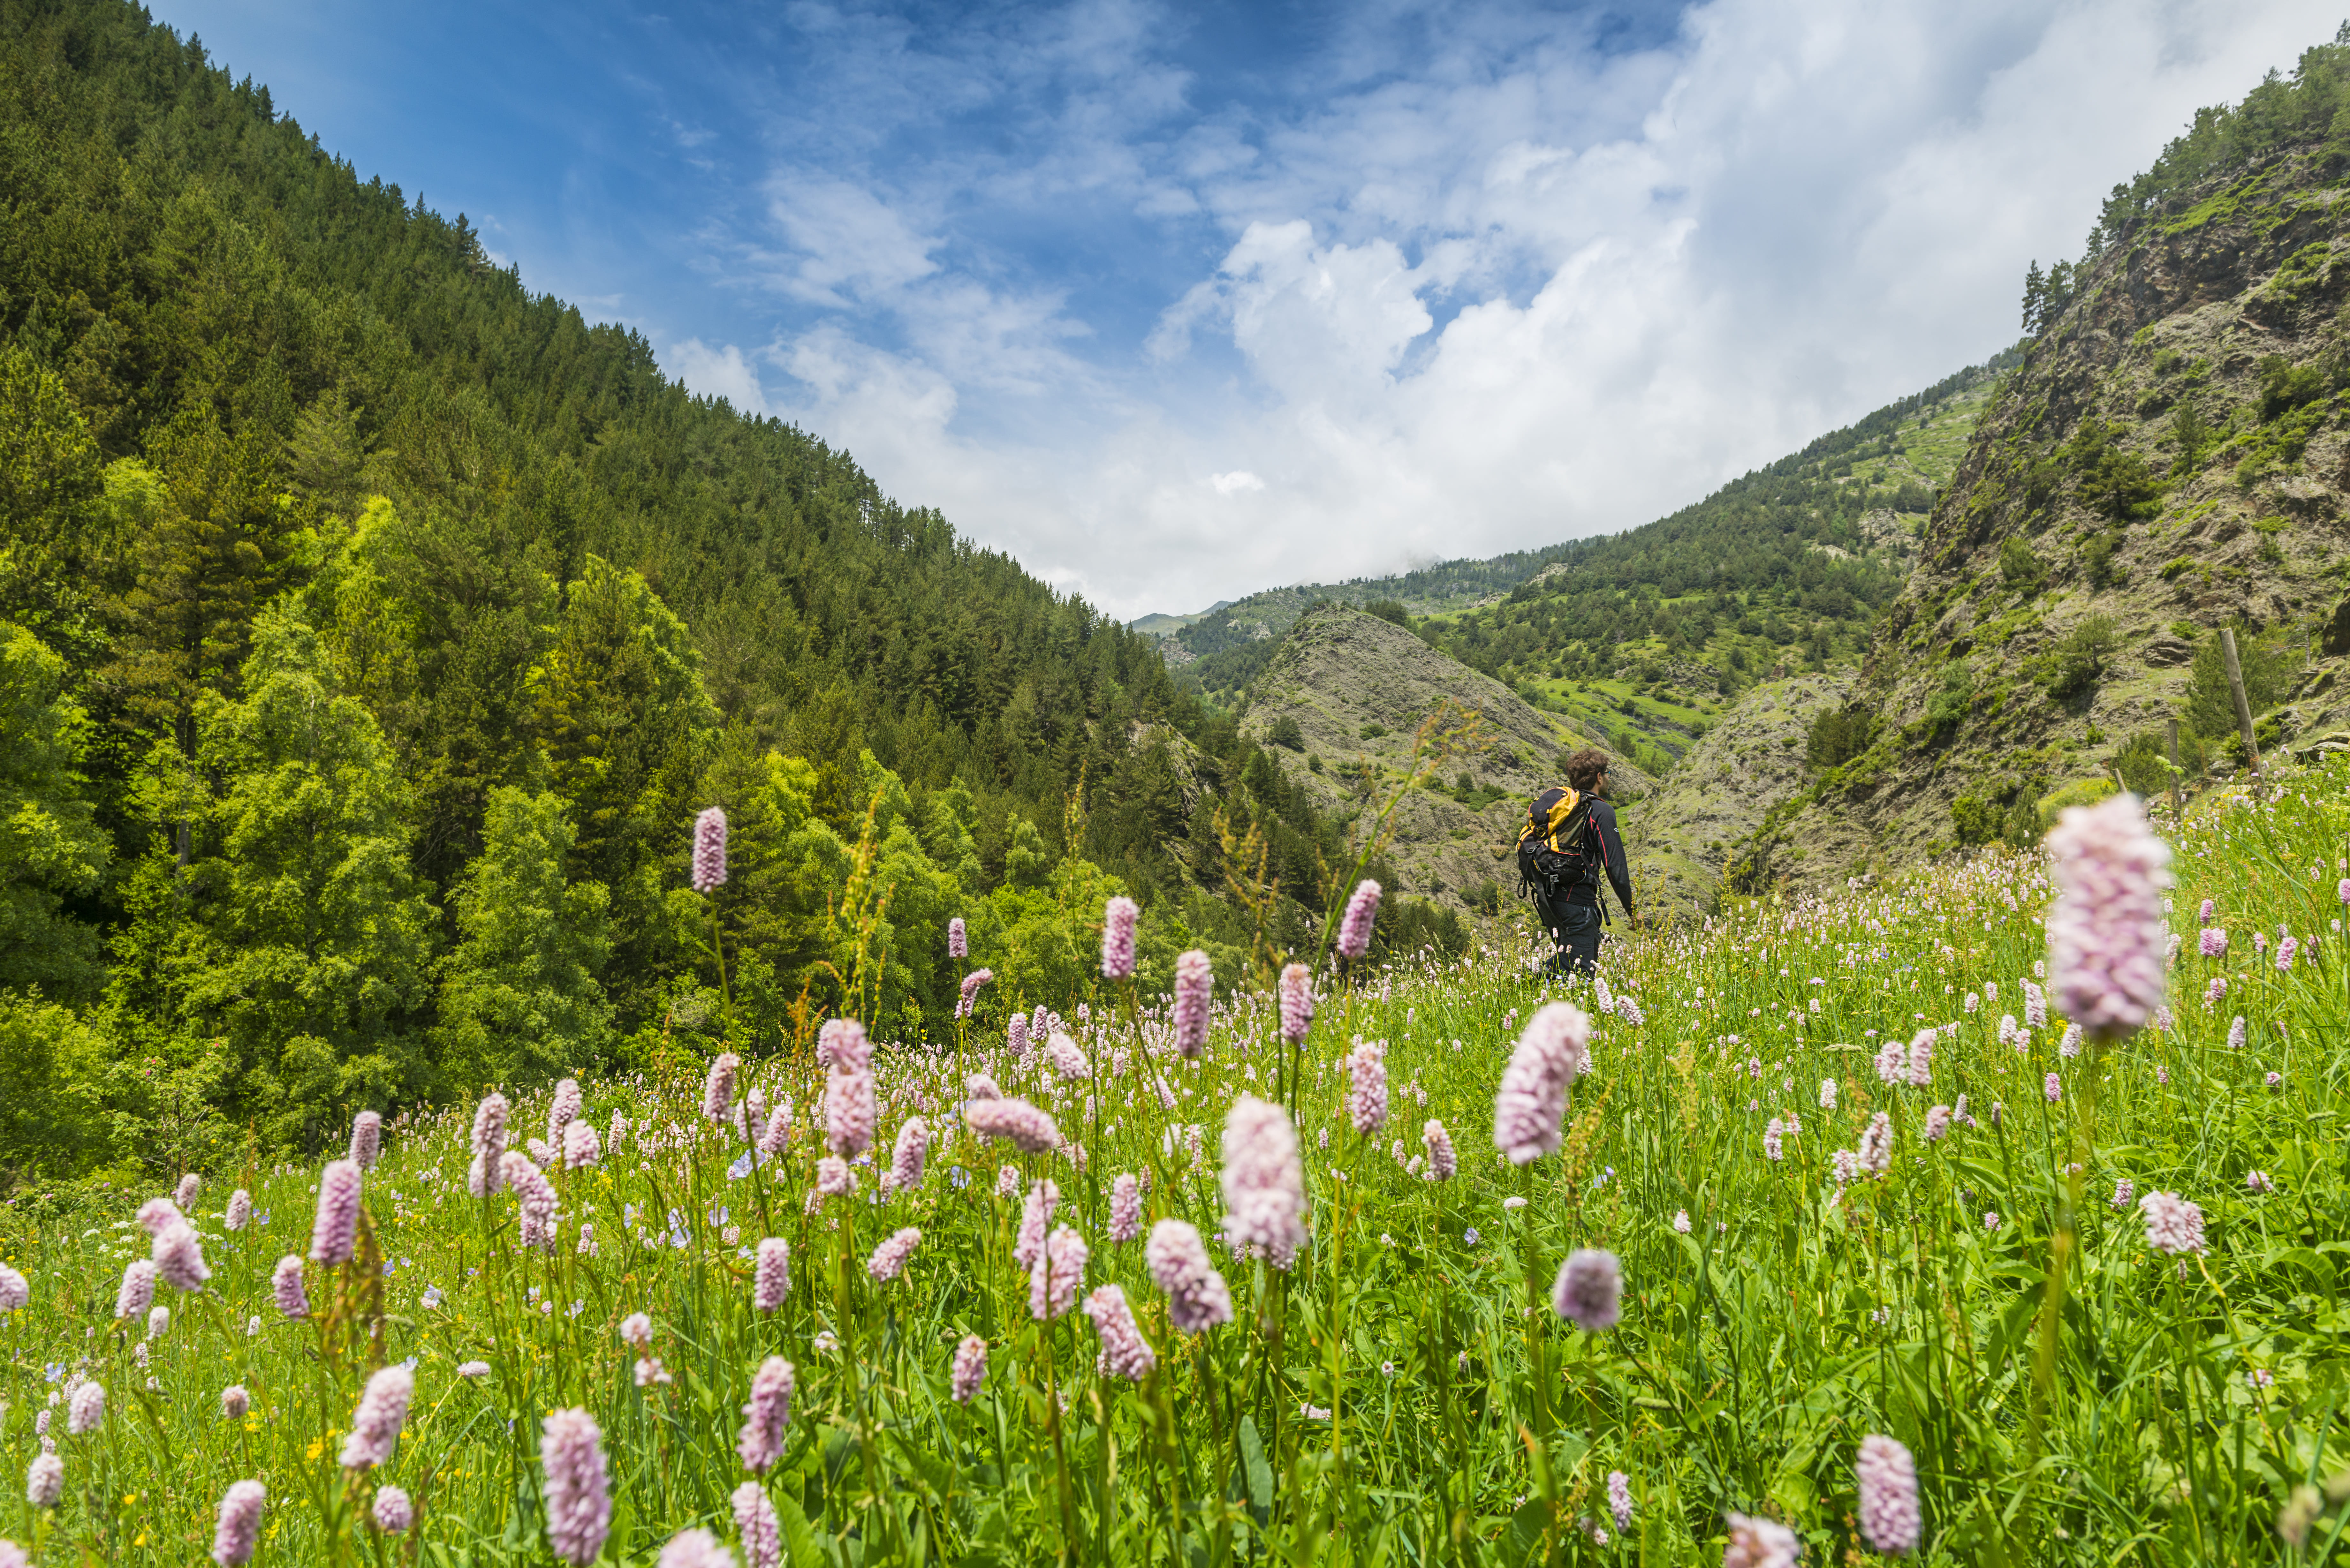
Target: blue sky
1174,302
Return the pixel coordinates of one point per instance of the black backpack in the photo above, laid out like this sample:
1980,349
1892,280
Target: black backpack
1554,849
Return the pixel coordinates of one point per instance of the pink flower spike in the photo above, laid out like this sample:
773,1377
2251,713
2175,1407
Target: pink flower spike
1117,938
2107,940
1296,1002
1888,1479
240,1523
335,1233
1553,1050
577,1486
1354,925
710,850
969,1368
1194,988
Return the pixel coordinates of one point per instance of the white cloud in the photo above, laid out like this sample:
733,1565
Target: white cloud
1508,292
717,373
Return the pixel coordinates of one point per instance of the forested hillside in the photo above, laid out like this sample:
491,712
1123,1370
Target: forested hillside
374,629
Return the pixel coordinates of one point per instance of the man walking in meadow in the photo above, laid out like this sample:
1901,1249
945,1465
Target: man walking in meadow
1568,845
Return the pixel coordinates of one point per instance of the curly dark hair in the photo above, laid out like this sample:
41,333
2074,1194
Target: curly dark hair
1585,768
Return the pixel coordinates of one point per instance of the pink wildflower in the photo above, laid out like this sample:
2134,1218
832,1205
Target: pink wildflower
489,1146
1194,984
851,1106
1921,1058
392,1512
769,1412
366,1139
180,1258
967,996
1124,1352
710,850
756,1524
1354,925
718,1088
2105,933
382,1412
1590,1290
1443,1162
239,1528
1053,1287
1296,1002
1125,1209
577,1486
1027,1128
1117,938
958,943
771,1277
335,1231
970,1369
1366,1098
1887,1477
137,1291
1263,1183
1035,1220
1760,1544
1553,1050
842,1044
1196,1297
2173,1225
286,1283
889,1260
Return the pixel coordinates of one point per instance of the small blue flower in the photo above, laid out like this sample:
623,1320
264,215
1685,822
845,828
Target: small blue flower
1469,1235
432,1297
56,1369
958,1176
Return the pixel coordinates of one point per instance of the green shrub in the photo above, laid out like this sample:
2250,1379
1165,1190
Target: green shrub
1284,731
2019,564
1389,610
2079,660
1977,820
1838,735
2210,707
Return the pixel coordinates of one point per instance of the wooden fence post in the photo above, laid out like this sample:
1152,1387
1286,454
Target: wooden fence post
2236,688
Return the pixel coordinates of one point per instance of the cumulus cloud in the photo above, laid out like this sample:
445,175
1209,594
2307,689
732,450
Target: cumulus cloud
1472,283
717,373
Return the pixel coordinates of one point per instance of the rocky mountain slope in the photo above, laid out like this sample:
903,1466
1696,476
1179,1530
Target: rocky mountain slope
2171,456
1355,689
1682,837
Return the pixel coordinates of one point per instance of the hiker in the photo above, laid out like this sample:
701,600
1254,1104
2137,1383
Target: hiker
1568,844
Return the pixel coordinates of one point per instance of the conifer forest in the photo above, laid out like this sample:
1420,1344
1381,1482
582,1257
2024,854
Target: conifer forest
580,985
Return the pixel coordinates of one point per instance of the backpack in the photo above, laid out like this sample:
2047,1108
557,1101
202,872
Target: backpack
1554,847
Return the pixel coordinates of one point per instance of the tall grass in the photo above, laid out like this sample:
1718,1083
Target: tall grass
1404,1392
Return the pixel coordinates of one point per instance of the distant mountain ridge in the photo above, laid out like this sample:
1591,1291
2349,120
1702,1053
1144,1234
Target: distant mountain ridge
1456,585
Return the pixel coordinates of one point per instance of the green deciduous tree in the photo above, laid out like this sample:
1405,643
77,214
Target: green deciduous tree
49,847
295,932
519,996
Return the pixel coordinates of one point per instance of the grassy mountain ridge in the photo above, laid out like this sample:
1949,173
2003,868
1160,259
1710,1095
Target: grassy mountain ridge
1340,707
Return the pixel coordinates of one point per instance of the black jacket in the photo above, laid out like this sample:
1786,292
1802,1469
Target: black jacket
1611,856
